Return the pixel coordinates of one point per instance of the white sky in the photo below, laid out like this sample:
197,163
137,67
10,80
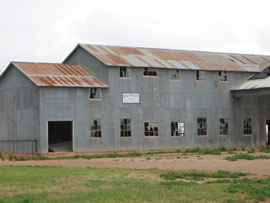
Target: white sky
48,30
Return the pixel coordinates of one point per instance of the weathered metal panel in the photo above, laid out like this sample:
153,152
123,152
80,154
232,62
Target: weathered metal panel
165,58
253,84
19,112
59,75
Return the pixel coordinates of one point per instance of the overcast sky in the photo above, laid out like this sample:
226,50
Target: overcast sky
48,30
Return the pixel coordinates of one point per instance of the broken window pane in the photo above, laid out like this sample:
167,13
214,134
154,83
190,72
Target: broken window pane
95,128
201,126
222,76
177,128
223,126
247,128
94,93
150,129
175,74
124,72
150,72
125,127
200,75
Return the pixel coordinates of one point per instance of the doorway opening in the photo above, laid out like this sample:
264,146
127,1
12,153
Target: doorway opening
267,132
60,136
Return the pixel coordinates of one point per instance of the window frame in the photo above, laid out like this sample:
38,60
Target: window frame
93,131
176,123
201,128
150,76
223,76
244,129
127,71
178,73
125,130
151,136
201,74
98,90
222,134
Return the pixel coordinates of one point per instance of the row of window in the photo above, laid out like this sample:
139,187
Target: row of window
151,129
95,93
124,73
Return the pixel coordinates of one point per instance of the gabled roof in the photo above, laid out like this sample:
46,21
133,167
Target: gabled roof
176,59
59,75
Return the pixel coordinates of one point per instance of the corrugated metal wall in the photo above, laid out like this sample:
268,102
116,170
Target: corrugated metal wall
19,112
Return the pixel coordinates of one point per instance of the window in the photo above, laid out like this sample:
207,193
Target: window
247,128
125,129
201,126
200,75
222,76
150,72
177,129
175,74
223,126
95,128
150,129
124,72
94,93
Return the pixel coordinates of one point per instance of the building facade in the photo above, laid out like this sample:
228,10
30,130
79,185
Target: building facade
136,99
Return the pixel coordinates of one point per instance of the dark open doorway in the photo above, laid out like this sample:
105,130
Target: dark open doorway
60,136
268,132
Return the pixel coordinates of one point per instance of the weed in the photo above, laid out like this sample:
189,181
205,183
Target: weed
10,158
265,149
246,157
148,158
243,149
251,151
203,151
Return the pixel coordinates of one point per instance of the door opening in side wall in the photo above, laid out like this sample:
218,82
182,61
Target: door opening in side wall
60,136
267,132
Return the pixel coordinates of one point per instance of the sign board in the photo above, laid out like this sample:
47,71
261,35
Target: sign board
131,98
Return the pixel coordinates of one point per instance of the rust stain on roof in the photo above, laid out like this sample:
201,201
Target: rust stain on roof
59,75
180,59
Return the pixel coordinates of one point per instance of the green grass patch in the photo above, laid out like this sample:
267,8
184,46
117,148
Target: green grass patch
251,151
246,157
59,184
195,175
203,151
265,149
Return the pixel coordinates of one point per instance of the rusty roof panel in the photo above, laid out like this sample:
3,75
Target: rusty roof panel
177,59
253,84
59,75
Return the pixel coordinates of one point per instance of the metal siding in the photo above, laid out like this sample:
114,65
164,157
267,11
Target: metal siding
19,112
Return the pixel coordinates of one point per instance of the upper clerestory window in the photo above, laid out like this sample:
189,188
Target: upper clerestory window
150,72
200,75
222,76
175,74
124,72
95,93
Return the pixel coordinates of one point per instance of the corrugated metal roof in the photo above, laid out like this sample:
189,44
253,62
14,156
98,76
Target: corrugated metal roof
165,58
59,75
253,84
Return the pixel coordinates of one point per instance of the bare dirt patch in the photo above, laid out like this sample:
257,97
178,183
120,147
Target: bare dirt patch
209,163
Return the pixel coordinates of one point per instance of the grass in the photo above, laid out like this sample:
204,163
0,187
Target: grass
265,149
57,184
246,157
197,151
195,175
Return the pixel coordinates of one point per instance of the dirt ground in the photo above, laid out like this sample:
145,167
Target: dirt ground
210,163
